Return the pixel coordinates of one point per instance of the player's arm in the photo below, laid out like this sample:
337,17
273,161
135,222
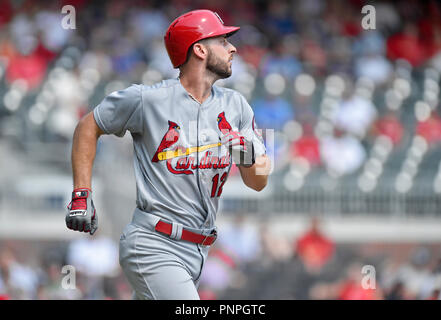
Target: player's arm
84,145
118,112
81,215
256,176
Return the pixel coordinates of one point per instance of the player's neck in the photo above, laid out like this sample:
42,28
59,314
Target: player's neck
197,84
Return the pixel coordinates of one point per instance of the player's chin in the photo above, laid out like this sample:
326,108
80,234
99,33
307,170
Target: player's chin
226,73
223,72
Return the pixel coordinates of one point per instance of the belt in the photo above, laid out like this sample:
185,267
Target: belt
187,235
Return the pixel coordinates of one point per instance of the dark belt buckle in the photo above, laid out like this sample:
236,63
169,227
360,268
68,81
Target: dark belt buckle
212,234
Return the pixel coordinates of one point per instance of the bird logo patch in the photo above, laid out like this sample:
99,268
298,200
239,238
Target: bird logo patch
169,139
223,124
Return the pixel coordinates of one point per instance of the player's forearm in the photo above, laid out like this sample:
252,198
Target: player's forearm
256,176
83,151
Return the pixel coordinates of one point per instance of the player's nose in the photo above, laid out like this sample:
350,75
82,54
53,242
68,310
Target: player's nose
232,49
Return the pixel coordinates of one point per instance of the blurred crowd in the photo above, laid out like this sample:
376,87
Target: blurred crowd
247,262
257,263
324,87
80,269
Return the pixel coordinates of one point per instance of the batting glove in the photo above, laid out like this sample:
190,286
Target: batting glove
240,148
81,214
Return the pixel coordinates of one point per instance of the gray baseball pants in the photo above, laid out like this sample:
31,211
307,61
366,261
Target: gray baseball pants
158,267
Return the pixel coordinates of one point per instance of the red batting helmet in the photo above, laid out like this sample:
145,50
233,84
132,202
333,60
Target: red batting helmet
190,28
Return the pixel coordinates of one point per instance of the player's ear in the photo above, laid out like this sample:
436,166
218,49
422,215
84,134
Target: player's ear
200,50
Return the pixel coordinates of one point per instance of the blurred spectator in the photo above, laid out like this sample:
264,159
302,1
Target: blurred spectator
406,45
159,60
28,63
95,260
6,13
274,247
126,56
387,17
355,114
70,102
416,276
342,153
50,286
307,146
339,54
429,27
281,60
314,248
397,292
18,280
313,55
390,126
373,66
148,24
304,109
36,40
97,256
351,17
370,42
277,18
430,129
272,111
47,23
436,290
241,239
351,287
98,60
435,61
252,45
310,8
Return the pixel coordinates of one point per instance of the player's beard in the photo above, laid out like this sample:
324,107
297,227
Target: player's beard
217,66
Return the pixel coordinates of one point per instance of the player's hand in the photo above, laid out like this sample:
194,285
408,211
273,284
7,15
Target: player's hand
81,215
240,148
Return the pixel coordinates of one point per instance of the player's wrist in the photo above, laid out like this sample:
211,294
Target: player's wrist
82,188
81,193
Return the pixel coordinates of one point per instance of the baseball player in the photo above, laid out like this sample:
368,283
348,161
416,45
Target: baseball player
186,135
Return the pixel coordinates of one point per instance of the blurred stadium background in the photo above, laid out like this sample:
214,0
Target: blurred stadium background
357,133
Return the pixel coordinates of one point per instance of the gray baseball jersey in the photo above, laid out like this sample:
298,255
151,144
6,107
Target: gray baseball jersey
180,170
180,167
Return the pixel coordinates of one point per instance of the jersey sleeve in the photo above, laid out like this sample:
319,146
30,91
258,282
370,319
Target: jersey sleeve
121,111
248,128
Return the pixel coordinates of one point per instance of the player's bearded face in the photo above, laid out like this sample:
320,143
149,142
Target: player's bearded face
222,68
